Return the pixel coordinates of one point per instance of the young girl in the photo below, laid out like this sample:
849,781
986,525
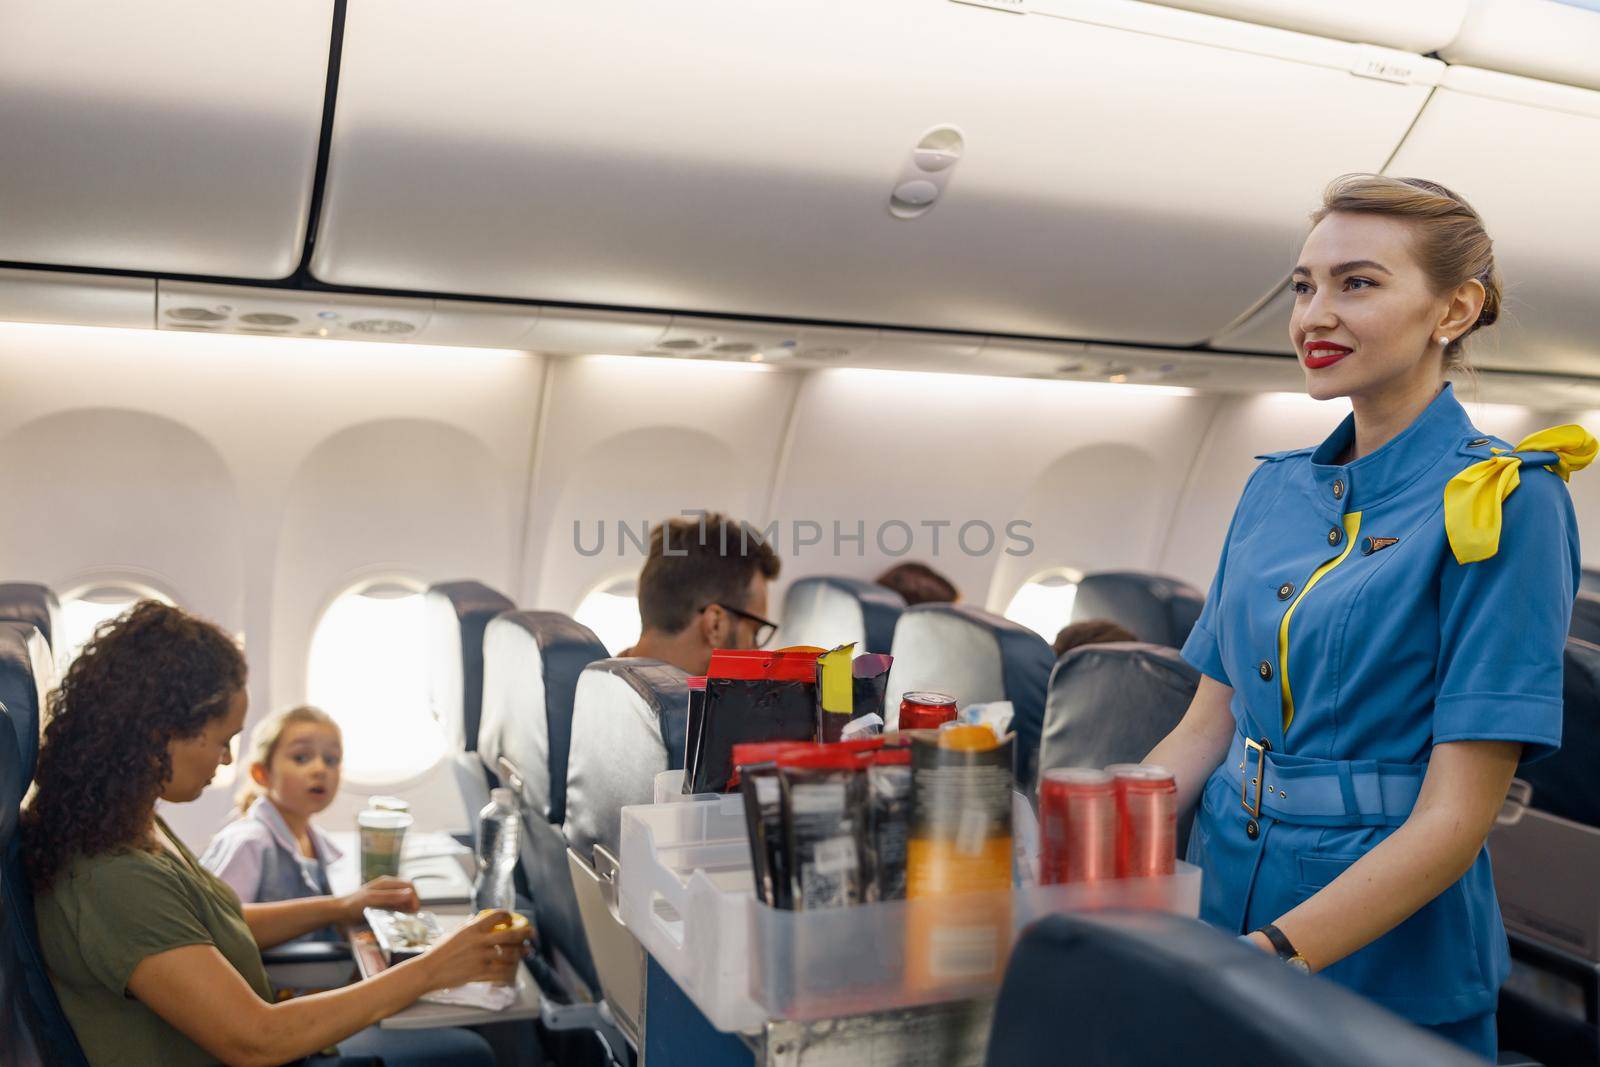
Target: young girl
271,851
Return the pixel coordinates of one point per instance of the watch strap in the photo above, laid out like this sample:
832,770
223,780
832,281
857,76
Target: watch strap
1280,942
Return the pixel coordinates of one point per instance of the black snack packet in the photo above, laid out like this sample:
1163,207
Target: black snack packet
848,690
750,696
824,813
693,728
889,823
763,816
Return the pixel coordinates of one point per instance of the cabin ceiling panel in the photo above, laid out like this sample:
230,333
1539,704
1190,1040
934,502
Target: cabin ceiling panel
83,299
1526,154
179,136
1144,180
1416,25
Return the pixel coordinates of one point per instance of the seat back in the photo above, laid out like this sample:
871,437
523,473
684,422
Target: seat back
33,1028
1586,618
531,664
629,719
1111,703
828,611
1565,783
27,672
1157,609
976,657
1589,580
457,613
32,603
1216,1000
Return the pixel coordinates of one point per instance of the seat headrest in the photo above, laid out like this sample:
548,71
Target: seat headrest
1159,610
27,672
32,603
976,657
1149,987
828,611
1111,703
1565,783
457,613
629,718
1586,618
13,784
531,664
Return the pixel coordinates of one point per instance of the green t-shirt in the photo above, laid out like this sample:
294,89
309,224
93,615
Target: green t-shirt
106,913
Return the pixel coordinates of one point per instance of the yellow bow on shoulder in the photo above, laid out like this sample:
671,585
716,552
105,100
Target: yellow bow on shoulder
1473,499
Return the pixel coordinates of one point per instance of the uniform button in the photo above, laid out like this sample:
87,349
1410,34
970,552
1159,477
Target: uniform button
1335,535
1265,670
1286,590
1338,489
1252,829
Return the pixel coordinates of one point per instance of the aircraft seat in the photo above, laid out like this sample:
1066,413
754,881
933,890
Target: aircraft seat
35,1030
33,603
531,664
829,611
1586,618
27,672
1111,703
976,657
456,615
1216,1001
629,720
1157,609
1565,784
1589,580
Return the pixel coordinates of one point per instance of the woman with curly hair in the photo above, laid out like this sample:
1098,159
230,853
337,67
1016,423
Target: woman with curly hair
153,958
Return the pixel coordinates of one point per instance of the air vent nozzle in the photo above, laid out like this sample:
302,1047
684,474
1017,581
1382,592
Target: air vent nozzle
388,327
194,314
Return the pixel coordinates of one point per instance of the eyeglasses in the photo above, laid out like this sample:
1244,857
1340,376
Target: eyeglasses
765,628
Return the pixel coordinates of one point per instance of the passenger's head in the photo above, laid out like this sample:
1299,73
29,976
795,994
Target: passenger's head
704,587
1395,275
1090,632
919,583
147,711
294,761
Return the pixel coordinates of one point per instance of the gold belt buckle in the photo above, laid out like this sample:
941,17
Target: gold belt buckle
1261,748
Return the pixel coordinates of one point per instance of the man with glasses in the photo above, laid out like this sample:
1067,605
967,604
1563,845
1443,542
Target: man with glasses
703,587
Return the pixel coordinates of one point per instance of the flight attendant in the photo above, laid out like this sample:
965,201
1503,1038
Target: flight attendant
1383,639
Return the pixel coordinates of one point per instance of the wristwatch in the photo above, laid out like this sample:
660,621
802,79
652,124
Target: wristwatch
1285,949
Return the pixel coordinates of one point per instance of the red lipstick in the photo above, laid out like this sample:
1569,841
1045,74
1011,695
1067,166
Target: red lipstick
1320,354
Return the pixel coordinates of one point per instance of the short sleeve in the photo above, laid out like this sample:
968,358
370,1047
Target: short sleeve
1504,622
1203,647
131,908
234,856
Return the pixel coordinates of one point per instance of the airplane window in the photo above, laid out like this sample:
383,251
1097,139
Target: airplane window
368,669
84,609
611,610
1044,603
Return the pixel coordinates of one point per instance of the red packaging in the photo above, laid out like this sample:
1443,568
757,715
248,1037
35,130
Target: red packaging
1147,821
926,711
1077,826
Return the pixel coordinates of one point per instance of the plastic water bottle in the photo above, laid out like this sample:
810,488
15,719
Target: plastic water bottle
498,827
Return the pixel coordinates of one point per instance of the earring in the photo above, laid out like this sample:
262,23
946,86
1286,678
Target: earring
1443,339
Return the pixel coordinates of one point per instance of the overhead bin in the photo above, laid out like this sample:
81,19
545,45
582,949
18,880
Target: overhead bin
178,136
1526,154
1415,26
1551,41
1092,169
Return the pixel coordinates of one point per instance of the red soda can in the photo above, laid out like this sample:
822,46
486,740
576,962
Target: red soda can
926,711
1147,821
1077,826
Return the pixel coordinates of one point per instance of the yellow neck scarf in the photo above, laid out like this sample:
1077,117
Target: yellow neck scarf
1473,499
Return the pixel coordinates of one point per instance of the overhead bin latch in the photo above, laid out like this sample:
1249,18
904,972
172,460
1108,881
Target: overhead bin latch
926,172
1385,64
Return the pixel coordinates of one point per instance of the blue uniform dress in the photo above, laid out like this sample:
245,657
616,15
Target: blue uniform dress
1355,642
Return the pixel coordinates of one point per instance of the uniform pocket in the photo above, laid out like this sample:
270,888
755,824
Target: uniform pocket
1318,869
